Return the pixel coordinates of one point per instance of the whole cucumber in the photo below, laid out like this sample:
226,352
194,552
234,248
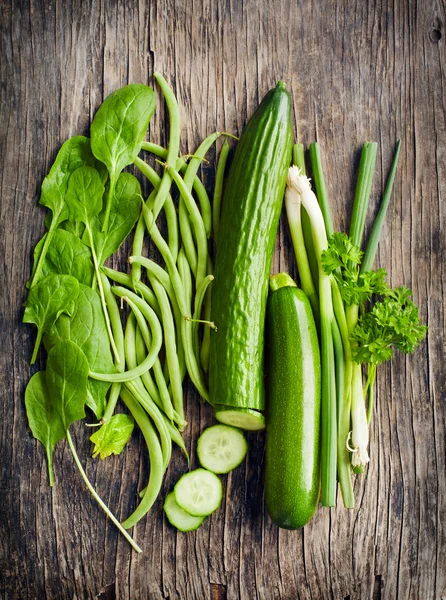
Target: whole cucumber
292,477
251,207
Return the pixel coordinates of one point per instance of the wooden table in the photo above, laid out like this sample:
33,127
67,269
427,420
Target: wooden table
357,71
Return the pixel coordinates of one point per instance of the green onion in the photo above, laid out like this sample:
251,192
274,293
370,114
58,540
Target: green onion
375,233
321,190
363,189
299,191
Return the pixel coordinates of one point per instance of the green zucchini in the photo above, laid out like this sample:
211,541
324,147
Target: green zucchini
250,214
292,470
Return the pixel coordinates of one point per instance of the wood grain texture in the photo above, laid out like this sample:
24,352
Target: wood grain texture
357,70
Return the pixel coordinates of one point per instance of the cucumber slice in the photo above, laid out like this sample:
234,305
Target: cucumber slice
178,517
243,418
199,492
221,448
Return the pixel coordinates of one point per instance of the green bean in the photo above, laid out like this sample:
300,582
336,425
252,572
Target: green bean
142,288
187,238
170,345
143,328
192,365
118,334
138,390
206,341
157,337
186,279
169,206
218,189
146,378
198,304
165,253
197,223
157,469
140,348
137,246
174,142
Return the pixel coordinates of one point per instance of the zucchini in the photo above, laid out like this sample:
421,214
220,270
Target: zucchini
250,214
292,471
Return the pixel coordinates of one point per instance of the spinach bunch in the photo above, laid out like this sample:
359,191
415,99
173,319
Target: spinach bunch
66,300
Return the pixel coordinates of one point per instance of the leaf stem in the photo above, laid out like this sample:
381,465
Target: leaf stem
102,295
97,498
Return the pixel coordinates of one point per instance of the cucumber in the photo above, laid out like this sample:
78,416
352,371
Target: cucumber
221,448
292,471
199,492
250,214
243,418
178,517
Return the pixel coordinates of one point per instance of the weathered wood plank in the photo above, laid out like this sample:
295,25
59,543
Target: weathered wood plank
357,71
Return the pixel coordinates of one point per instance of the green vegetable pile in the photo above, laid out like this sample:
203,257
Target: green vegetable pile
359,317
93,359
134,335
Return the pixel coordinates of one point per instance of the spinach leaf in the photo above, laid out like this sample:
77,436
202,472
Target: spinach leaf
73,154
66,377
112,436
86,327
66,255
44,421
54,295
124,212
118,129
84,199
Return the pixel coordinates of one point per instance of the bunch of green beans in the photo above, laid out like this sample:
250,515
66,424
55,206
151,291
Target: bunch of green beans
161,340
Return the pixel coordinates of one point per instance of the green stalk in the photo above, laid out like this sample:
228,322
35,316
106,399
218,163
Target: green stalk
321,190
298,190
97,498
363,189
375,233
299,161
294,212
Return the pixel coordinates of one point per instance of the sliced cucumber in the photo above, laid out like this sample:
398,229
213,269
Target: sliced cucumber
221,448
199,492
178,517
243,418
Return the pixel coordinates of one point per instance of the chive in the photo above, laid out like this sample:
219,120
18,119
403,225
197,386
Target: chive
363,189
375,234
321,190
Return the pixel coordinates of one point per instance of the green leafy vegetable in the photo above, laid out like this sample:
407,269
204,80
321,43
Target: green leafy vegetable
118,130
44,421
84,199
124,212
74,153
393,321
67,255
112,436
66,377
54,295
86,327
342,259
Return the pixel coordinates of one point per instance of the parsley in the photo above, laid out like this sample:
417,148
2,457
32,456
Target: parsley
342,259
392,321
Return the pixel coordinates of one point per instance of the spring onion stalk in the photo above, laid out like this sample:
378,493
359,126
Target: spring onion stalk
362,194
375,233
321,190
299,161
360,428
294,212
299,191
